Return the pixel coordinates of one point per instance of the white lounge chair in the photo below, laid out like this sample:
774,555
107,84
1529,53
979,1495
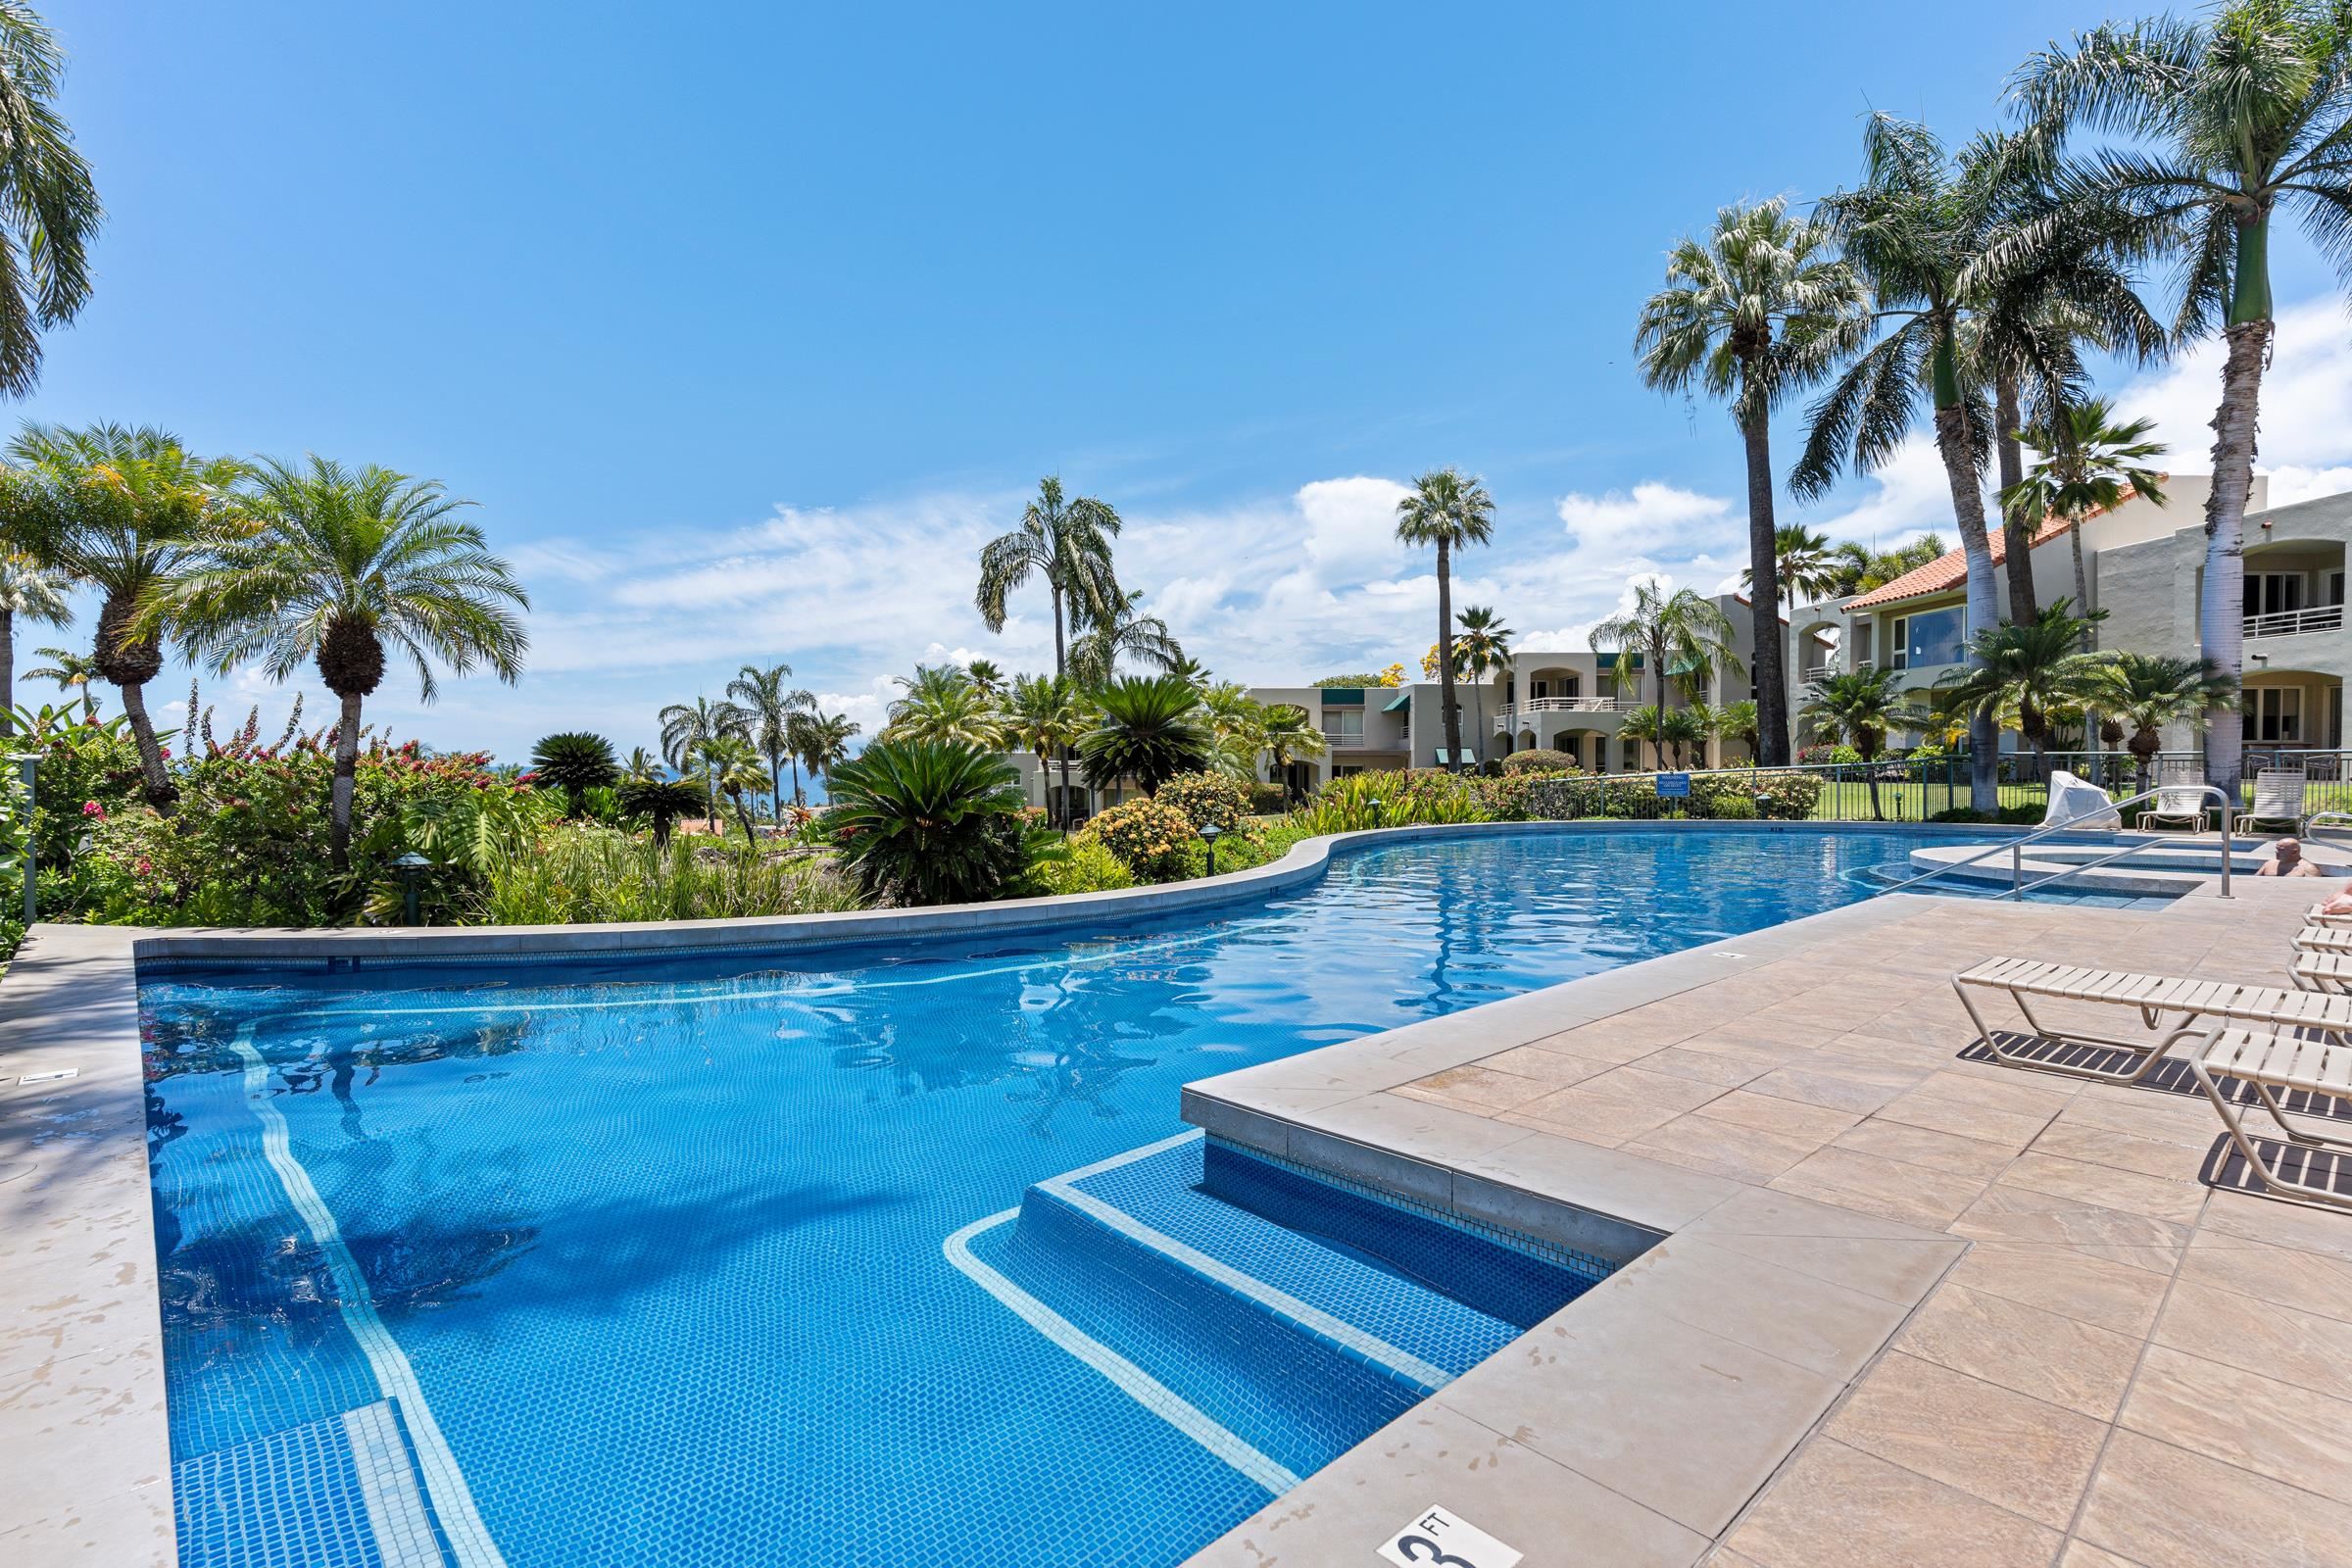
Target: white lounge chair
2278,798
2318,914
2272,1061
2324,971
2325,939
2178,802
2153,996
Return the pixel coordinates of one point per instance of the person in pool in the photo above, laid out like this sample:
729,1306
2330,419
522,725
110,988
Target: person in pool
2287,861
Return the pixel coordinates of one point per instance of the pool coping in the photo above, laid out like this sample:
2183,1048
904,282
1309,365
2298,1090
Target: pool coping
80,1330
1730,1392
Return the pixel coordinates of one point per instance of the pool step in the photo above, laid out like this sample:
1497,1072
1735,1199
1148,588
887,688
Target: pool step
341,1491
1293,1316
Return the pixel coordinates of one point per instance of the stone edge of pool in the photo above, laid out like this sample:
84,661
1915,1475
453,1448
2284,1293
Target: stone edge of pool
1669,1349
81,1335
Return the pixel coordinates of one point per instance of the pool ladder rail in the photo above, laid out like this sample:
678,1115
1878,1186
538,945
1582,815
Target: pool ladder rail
2019,887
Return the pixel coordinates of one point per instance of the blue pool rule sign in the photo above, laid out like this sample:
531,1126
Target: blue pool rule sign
1674,786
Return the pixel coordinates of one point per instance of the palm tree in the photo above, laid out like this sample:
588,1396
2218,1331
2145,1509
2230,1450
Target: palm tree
1643,723
1127,633
1045,714
1681,628
943,705
2032,670
642,765
1686,729
1151,728
1856,568
825,743
125,511
1737,721
663,801
1067,543
1759,308
72,674
36,593
1290,734
685,729
733,763
1858,707
1483,648
336,562
768,707
1803,565
575,763
52,211
1238,722
2245,114
989,676
2086,463
2150,692
1191,670
1452,511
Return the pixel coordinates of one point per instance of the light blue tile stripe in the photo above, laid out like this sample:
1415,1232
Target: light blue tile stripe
1371,1347
468,1538
404,1535
1131,1380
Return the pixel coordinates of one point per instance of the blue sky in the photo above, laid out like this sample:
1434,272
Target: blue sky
745,325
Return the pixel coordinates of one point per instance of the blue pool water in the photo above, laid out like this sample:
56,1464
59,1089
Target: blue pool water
642,1261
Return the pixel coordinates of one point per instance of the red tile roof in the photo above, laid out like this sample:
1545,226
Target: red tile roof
1947,574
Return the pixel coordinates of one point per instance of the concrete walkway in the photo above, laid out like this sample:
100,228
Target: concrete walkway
2130,1360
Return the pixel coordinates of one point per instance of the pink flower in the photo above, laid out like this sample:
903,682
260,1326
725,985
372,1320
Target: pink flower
92,809
144,867
164,752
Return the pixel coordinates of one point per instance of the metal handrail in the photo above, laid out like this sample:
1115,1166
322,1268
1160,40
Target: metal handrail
2019,887
2321,818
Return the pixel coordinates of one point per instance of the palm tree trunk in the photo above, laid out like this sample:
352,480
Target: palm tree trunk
1983,596
775,785
1445,698
7,672
735,798
2222,605
159,790
347,774
1768,658
1061,673
2016,533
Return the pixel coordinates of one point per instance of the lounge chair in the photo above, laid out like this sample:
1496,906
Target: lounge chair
2318,914
2325,939
2270,1061
2324,971
2154,995
2178,802
2278,798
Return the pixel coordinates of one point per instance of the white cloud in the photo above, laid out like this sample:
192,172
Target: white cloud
2290,483
1907,495
1654,518
2306,434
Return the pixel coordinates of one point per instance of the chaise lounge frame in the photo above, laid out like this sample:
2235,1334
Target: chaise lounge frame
2154,995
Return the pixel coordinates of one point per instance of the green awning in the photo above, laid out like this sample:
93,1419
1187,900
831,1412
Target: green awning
1342,697
1398,703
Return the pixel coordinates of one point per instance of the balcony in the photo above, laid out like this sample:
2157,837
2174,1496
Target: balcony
2292,623
1564,705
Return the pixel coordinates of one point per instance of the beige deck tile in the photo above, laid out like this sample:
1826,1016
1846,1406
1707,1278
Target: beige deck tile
2166,1507
2177,1201
2004,1447
2083,1555
1908,1193
1743,1153
2185,1120
1640,1085
2258,1337
1724,1069
2280,1430
2295,1225
1941,1107
1839,1507
1554,1067
1813,1124
1479,1088
1602,1119
2022,1215
1602,1041
1949,1153
2314,1282
1839,1083
1794,1316
2104,1145
2086,1288
2025,1349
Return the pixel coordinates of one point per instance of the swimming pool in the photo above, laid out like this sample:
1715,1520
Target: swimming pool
646,1261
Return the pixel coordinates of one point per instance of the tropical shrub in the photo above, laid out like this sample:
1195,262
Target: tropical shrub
1539,760
662,803
1390,799
1266,800
569,875
1818,755
1150,729
1088,866
1207,800
574,762
1148,836
923,822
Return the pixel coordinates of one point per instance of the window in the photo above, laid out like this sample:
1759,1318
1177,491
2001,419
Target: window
1898,631
2273,593
1928,637
1343,723
2273,713
1633,756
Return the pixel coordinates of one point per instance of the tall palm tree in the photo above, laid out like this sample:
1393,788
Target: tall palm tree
769,707
338,563
34,593
825,745
943,705
1856,568
642,765
1126,633
1737,721
2086,463
51,208
1045,714
686,729
1646,723
1682,628
1451,511
125,511
2242,113
1804,566
73,672
735,767
1759,309
2030,671
1289,735
2148,692
1858,707
1066,542
1481,649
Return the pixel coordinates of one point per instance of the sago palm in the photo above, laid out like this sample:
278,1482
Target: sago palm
1149,728
1448,510
338,564
2084,463
925,822
989,676
769,707
51,211
33,593
1737,721
942,705
2148,693
1680,630
575,763
127,512
2031,672
2238,115
1858,708
1759,309
1481,649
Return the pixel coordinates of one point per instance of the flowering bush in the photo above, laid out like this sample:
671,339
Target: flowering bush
1207,800
1540,761
1816,756
1149,838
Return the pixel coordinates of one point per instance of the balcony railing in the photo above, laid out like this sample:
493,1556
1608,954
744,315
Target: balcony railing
1564,705
2288,622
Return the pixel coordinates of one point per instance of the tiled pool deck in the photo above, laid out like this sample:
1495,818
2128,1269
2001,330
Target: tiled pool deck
1919,1309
